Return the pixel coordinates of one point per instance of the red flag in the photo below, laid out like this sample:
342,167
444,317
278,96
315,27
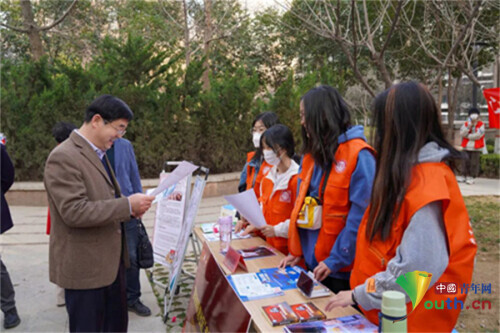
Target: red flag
492,97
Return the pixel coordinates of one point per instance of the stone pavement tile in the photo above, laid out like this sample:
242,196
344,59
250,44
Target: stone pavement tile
482,186
24,250
35,295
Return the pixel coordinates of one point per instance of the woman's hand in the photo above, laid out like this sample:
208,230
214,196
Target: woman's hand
289,260
248,230
268,231
240,225
343,299
321,271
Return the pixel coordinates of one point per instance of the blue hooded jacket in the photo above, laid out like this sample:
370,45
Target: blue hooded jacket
360,188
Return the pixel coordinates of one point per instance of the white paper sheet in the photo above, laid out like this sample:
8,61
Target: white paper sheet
169,224
246,203
181,171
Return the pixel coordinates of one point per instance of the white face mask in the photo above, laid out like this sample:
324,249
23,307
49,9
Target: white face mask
270,157
474,116
256,139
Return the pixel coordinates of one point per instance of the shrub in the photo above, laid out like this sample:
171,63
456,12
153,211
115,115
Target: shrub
490,165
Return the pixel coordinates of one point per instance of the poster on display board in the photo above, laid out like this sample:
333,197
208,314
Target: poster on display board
168,226
192,209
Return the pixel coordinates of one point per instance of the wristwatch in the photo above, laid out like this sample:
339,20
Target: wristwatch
354,299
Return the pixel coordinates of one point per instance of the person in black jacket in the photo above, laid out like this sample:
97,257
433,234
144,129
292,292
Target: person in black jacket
8,304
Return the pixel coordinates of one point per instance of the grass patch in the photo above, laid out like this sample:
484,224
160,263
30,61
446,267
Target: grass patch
484,212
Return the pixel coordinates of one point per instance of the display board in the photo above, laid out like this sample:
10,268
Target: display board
214,306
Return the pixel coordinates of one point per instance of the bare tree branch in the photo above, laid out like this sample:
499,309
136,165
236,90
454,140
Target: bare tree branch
14,28
460,38
391,31
169,15
59,20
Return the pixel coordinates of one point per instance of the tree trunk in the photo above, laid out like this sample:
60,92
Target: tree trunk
383,71
206,43
33,32
187,42
440,95
452,104
451,111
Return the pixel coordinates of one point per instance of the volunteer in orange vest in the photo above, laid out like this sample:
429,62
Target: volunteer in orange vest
255,167
336,151
472,133
279,186
417,220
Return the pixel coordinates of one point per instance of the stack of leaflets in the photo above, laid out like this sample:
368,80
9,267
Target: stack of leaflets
214,237
283,314
285,278
251,286
354,323
280,314
208,228
307,312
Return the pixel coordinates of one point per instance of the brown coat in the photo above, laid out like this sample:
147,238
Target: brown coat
86,234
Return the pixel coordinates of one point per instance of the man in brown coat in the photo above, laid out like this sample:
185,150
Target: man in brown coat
87,254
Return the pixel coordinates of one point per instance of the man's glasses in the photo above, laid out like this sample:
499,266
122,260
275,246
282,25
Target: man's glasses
120,132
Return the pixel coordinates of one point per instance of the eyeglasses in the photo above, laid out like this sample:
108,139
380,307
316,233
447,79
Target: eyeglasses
119,131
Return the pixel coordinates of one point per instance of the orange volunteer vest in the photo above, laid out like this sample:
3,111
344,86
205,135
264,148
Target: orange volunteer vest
336,202
429,182
478,143
278,208
264,169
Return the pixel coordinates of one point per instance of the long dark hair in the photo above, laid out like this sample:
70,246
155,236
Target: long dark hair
326,118
269,119
406,118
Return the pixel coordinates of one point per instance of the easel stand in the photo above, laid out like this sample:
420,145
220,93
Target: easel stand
177,274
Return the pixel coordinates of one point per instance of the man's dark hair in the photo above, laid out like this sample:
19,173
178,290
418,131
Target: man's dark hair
473,110
62,130
110,108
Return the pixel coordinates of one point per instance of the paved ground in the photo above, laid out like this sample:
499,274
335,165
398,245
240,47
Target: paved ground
24,250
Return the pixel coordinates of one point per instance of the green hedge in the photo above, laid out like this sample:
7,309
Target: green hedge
490,165
174,119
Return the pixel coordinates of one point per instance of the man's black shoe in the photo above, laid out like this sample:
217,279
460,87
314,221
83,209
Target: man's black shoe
11,319
140,309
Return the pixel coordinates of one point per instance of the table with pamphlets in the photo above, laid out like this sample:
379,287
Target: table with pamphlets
259,321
